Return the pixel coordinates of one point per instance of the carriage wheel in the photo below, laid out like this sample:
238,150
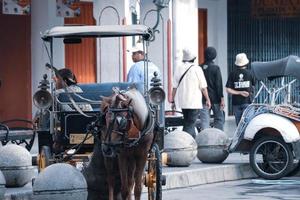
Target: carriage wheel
44,158
153,178
271,158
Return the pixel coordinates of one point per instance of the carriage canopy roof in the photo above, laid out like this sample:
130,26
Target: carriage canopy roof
289,66
97,31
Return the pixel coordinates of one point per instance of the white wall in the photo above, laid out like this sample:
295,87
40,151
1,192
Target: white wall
43,17
217,34
109,50
185,27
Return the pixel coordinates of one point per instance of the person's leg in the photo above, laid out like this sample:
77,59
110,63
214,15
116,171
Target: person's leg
204,117
243,108
237,113
219,117
189,120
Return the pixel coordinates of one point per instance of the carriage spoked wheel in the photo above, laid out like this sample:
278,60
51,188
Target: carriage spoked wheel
154,179
271,158
44,158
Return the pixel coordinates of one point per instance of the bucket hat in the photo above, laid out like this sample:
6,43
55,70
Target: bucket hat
241,60
187,55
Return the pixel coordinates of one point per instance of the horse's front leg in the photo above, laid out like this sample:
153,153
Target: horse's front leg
109,165
124,167
130,175
138,175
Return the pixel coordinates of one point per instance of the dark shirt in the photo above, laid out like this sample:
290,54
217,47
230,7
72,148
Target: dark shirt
241,80
213,78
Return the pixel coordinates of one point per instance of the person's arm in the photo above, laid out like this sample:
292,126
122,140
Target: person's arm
236,92
219,88
205,94
222,103
173,105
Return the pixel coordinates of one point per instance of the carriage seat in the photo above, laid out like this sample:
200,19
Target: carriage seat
94,92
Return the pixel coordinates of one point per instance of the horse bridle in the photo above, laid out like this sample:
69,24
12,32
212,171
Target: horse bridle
124,118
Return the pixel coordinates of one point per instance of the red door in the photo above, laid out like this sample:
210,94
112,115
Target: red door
202,33
81,58
15,67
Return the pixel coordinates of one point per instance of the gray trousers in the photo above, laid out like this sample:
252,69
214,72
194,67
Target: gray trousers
238,111
219,117
189,120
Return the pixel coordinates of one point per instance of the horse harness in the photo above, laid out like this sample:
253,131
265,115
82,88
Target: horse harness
123,119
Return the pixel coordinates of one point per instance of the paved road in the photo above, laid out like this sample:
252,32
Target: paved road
251,189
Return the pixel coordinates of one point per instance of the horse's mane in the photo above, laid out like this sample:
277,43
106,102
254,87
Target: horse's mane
138,104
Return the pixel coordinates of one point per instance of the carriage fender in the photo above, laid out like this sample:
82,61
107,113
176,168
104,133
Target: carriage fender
284,126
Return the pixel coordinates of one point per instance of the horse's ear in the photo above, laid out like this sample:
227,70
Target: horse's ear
121,97
127,102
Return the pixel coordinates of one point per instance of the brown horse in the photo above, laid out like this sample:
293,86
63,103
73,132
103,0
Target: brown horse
127,135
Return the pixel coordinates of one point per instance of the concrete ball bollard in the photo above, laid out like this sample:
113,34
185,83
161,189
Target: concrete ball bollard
212,145
60,182
2,185
16,165
180,147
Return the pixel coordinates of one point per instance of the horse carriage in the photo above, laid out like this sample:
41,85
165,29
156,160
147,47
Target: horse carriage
125,124
269,128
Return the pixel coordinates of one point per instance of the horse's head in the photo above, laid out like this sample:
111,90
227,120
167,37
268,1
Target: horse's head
121,123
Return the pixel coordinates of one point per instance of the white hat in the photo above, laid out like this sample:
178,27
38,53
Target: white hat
241,60
187,55
138,47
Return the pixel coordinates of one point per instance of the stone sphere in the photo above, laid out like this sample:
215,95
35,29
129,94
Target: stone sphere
181,148
2,185
212,145
16,165
60,182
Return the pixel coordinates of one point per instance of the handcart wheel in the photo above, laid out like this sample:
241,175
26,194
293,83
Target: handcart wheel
271,158
44,158
295,168
154,179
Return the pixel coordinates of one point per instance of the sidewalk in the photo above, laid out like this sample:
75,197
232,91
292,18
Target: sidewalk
235,167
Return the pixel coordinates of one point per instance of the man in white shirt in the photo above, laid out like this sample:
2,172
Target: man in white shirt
136,72
190,84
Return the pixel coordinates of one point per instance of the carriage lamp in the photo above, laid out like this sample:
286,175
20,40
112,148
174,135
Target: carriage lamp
42,99
156,93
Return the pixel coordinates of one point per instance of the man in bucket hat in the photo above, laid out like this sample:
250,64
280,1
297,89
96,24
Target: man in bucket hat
240,85
189,84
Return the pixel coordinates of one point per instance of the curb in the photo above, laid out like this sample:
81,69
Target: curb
213,174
